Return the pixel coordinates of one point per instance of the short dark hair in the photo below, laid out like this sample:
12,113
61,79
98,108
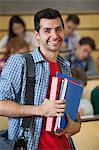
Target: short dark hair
88,41
73,18
48,13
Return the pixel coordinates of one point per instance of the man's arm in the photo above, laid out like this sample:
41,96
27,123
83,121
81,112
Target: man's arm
48,108
10,84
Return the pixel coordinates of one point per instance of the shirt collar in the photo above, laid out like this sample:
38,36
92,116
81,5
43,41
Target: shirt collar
63,61
39,58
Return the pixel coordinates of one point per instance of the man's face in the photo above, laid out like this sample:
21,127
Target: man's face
84,51
70,27
51,34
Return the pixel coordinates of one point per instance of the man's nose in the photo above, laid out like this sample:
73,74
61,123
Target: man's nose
54,34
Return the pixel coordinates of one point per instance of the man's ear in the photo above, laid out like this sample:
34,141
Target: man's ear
36,34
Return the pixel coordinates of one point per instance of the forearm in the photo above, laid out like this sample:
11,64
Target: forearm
78,119
13,109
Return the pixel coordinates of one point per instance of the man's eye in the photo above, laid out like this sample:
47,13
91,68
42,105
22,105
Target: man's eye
59,29
47,31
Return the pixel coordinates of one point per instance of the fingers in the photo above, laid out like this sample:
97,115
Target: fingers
60,133
59,114
53,107
60,101
60,106
60,110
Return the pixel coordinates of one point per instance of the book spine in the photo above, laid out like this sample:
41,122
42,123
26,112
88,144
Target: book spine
61,97
54,93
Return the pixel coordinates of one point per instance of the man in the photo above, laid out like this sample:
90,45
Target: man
81,56
71,37
49,30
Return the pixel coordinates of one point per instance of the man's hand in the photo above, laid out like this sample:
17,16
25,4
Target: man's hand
71,127
51,108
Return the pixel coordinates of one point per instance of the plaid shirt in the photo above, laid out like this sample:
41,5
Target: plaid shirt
13,77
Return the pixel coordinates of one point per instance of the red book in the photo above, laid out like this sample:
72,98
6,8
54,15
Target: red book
54,95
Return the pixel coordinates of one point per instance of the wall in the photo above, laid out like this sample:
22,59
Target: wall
31,6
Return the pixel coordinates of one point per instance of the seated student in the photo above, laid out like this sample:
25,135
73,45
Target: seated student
85,107
16,45
17,27
71,36
95,100
81,56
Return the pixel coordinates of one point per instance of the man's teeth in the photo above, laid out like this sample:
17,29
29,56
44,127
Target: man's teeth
54,42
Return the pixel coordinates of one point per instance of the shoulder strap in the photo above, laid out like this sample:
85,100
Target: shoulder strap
30,65
30,83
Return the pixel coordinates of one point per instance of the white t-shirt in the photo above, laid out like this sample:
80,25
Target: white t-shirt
86,105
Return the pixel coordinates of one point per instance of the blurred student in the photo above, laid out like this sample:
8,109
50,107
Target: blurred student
16,45
85,107
71,36
17,27
81,57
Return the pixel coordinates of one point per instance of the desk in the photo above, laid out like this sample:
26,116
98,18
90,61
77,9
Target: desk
88,137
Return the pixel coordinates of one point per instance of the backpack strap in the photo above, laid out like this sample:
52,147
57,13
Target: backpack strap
30,83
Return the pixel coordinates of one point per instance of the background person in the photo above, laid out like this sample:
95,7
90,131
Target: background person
71,36
16,45
17,27
81,57
85,106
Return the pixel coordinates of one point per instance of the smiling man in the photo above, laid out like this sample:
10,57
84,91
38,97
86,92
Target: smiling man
49,30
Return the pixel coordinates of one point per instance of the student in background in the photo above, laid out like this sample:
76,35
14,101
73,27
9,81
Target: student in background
85,107
81,57
17,27
71,36
16,45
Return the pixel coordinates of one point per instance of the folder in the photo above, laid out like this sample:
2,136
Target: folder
61,75
71,91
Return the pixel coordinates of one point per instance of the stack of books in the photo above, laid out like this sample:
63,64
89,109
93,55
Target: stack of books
69,89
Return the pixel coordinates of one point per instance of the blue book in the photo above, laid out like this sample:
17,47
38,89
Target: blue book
61,75
71,91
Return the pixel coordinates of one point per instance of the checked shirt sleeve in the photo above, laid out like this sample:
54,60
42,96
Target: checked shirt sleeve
11,77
